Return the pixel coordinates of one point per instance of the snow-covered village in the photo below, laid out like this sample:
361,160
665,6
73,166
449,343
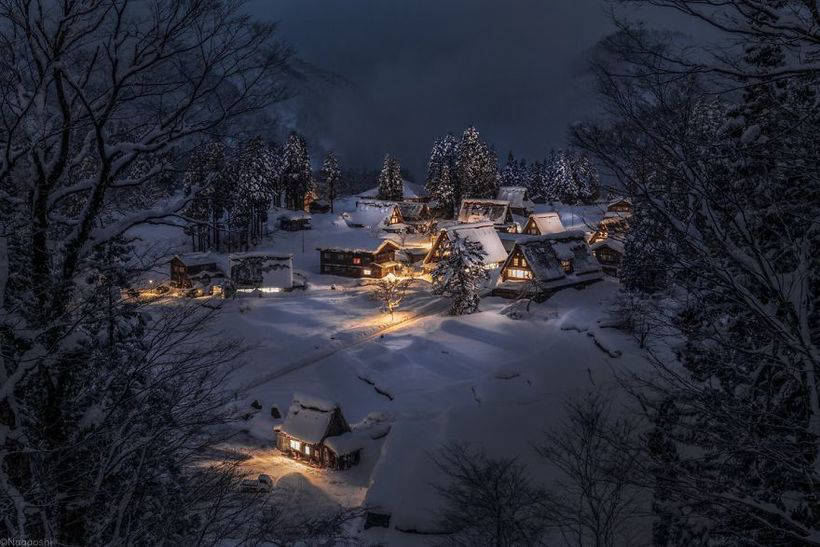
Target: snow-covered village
466,273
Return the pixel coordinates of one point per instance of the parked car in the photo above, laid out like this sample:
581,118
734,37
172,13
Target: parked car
260,485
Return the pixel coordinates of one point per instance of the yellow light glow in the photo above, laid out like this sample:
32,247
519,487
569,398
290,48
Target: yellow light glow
296,445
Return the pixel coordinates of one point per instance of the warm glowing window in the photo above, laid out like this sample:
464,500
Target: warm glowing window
296,445
307,450
366,272
566,265
524,262
515,273
357,260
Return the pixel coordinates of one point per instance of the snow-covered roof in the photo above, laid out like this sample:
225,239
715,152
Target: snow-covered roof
353,241
200,259
294,215
412,210
614,244
346,443
484,233
545,253
479,210
409,190
372,214
308,418
548,223
516,195
616,201
262,254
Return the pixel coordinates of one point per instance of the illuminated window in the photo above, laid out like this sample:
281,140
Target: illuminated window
357,260
566,265
307,450
516,273
296,445
366,272
524,262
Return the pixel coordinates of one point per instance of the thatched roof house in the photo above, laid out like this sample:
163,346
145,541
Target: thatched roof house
487,210
375,214
520,203
316,432
543,223
540,265
481,232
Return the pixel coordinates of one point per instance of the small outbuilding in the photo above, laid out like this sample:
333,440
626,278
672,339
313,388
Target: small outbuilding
196,271
518,197
609,253
619,206
543,223
614,227
481,232
541,265
293,221
315,432
496,211
263,272
374,258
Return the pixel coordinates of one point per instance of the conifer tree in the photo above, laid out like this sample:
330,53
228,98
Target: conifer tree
476,171
331,175
207,177
440,183
297,177
391,184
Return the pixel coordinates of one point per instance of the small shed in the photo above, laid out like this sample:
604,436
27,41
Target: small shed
619,206
293,221
196,270
481,232
374,258
610,253
315,432
543,223
540,265
614,227
518,197
263,272
487,210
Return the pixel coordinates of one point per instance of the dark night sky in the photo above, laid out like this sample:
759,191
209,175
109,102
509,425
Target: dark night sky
419,68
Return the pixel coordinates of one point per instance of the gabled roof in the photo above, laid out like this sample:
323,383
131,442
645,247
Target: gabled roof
614,244
482,232
496,211
412,210
308,418
516,195
360,245
373,214
198,259
544,255
616,201
548,223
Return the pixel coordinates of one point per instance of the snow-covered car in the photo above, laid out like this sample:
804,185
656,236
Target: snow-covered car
261,484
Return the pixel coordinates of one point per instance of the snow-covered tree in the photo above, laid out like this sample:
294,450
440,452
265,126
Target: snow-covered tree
390,291
105,408
440,184
391,184
514,173
476,168
534,179
572,177
736,411
206,176
331,175
297,177
254,176
460,274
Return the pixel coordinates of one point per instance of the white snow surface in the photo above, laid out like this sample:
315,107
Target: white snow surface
495,381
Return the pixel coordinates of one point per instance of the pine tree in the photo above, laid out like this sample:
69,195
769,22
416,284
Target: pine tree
510,174
535,179
391,183
297,177
476,167
207,177
331,175
442,188
459,275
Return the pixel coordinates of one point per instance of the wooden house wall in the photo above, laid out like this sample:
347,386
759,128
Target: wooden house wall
531,228
354,264
516,261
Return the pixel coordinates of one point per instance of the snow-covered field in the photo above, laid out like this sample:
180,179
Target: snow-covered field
485,379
